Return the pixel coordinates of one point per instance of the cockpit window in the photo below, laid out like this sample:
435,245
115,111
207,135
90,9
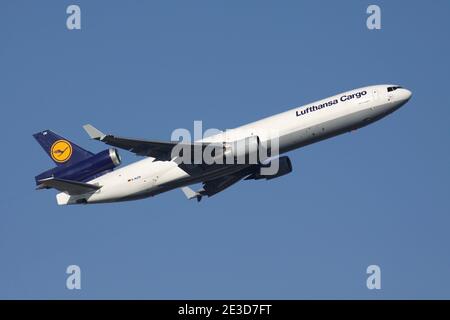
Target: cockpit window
389,89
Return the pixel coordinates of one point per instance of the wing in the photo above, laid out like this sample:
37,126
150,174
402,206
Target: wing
159,150
211,187
68,186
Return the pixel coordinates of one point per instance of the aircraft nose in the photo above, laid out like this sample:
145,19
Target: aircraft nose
405,94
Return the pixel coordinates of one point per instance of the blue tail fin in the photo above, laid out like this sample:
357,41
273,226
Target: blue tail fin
61,150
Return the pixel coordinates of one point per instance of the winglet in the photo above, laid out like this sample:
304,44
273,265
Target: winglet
93,132
191,194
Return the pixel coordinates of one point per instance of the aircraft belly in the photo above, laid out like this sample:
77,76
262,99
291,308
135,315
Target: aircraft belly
331,128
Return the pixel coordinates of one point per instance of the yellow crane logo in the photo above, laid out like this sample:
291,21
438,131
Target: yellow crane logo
61,151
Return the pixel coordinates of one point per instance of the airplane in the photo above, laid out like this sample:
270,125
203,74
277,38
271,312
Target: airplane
82,177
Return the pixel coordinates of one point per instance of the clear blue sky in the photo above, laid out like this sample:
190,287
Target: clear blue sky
143,68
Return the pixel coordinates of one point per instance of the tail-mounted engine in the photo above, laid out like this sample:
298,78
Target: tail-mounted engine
86,169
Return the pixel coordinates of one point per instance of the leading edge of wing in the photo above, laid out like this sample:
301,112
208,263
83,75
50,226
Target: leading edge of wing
157,149
160,150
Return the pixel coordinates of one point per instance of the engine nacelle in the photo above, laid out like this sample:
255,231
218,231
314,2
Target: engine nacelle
87,169
243,150
284,167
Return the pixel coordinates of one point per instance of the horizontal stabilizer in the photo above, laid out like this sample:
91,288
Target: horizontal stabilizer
68,186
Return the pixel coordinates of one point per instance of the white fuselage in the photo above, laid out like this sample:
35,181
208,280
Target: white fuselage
295,128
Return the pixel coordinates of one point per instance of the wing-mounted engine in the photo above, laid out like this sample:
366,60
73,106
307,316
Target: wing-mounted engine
86,169
250,172
284,167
